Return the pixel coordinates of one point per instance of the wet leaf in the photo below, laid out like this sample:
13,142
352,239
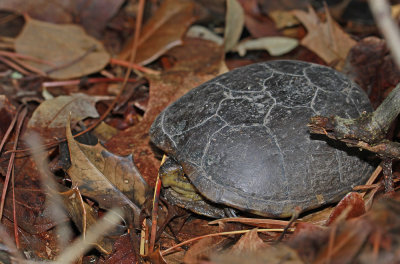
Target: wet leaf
71,52
326,39
234,23
164,30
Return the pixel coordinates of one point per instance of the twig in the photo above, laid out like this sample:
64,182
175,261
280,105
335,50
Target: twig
14,65
134,66
9,130
16,237
85,81
67,64
169,250
21,118
25,57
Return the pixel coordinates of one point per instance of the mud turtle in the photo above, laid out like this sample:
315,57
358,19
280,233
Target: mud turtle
242,139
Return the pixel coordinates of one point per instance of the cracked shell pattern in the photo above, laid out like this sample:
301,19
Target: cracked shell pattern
242,138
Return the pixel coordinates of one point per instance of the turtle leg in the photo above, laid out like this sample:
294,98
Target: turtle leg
230,212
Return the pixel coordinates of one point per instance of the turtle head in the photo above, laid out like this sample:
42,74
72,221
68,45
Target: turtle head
172,175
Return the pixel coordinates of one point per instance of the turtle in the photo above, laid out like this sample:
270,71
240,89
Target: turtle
241,141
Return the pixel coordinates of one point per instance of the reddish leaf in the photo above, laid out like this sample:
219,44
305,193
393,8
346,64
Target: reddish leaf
7,112
352,205
32,213
373,69
123,252
164,30
258,24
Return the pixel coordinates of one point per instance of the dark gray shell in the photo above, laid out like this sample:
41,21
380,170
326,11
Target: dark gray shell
242,138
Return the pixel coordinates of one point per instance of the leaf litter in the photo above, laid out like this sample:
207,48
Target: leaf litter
360,228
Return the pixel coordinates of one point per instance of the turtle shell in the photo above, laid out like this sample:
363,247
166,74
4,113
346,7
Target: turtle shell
242,137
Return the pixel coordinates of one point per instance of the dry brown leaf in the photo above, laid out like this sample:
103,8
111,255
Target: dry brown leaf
271,255
119,170
92,183
248,243
68,48
203,249
326,39
163,31
93,15
49,118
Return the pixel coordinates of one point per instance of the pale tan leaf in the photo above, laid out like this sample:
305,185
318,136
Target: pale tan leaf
54,112
248,243
276,46
197,31
234,23
326,39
